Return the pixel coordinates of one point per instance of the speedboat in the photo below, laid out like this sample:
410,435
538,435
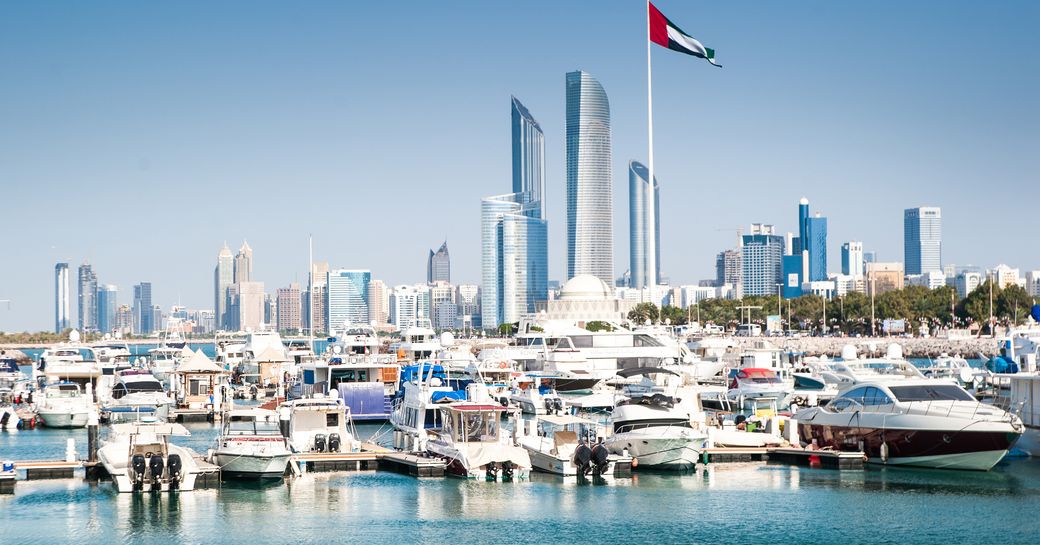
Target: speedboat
537,396
569,445
472,443
752,391
317,424
920,422
137,393
139,456
655,428
63,405
251,445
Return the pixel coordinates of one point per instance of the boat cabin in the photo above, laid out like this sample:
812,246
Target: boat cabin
471,423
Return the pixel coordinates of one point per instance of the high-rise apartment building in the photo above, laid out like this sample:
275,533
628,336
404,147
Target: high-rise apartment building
61,297
761,256
728,267
438,266
922,239
247,306
290,308
643,237
817,245
467,297
410,306
590,218
514,234
106,308
348,297
852,258
87,307
143,317
442,296
318,297
378,302
223,277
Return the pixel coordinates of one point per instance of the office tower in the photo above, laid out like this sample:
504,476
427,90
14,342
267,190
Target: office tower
61,297
348,297
514,234
143,317
289,308
244,263
124,320
643,237
817,245
88,307
727,267
442,296
247,305
438,267
761,256
378,302
590,219
852,258
223,277
922,239
270,310
107,306
316,296
467,297
410,306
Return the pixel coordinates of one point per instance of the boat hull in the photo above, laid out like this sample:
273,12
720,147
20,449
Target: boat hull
63,419
239,466
656,451
575,384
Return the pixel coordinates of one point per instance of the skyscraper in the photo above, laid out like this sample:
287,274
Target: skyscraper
143,316
244,263
106,312
514,234
640,233
88,307
410,306
852,258
289,308
438,267
61,297
727,268
922,239
223,277
348,297
590,231
317,297
378,302
817,246
761,253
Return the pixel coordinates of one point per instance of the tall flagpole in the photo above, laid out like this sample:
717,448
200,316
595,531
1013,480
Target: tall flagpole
651,238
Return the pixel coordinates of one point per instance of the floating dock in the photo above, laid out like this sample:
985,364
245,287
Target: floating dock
831,459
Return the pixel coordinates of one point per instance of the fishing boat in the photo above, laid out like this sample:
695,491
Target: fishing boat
137,393
473,445
63,405
318,424
251,445
139,457
568,445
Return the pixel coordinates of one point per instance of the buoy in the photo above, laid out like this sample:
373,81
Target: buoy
635,462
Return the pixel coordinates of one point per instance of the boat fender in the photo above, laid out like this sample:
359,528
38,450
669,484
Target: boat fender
635,463
174,465
156,465
884,452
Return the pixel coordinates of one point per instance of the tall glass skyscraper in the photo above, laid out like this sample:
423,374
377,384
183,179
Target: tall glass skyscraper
144,317
88,306
817,246
514,232
61,297
922,239
762,254
639,229
106,303
590,231
438,266
223,277
348,297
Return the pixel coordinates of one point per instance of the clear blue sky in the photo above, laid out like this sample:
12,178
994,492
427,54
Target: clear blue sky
141,136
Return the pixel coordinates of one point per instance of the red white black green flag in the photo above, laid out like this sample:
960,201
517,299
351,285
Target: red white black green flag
664,33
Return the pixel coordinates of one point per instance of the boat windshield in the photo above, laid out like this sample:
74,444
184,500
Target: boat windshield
931,392
248,426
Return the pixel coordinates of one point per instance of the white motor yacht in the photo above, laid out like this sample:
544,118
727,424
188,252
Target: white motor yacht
139,456
472,443
417,343
63,405
137,393
318,424
916,422
655,428
568,445
537,395
251,445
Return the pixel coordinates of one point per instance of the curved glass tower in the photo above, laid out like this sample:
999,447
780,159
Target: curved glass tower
590,231
639,230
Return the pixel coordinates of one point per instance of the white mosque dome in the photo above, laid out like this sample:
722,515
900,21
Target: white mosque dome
586,287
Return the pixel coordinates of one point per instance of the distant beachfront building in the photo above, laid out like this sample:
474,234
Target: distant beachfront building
61,297
107,307
922,239
223,277
641,234
514,234
761,255
852,258
348,296
590,217
817,245
410,306
1005,276
124,320
144,318
378,302
966,282
883,277
438,266
88,307
1033,283
930,279
290,309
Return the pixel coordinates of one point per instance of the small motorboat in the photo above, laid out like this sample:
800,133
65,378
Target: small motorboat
318,424
251,445
569,445
63,405
139,457
137,393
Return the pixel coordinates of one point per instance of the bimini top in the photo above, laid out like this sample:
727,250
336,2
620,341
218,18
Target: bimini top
625,373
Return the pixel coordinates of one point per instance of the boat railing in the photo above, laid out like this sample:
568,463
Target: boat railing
948,408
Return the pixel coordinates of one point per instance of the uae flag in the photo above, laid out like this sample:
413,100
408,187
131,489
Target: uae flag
664,32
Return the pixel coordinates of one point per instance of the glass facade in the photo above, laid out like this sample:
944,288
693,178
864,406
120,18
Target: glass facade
639,231
223,277
88,306
528,157
852,258
762,256
61,297
348,297
143,316
817,245
106,303
590,231
922,240
438,267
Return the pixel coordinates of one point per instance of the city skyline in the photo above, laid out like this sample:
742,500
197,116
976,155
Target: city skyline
862,148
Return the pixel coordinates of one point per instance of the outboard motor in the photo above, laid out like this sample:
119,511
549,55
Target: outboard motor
582,459
253,391
507,472
549,405
155,465
504,401
174,466
319,442
492,472
334,442
558,404
600,459
138,466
